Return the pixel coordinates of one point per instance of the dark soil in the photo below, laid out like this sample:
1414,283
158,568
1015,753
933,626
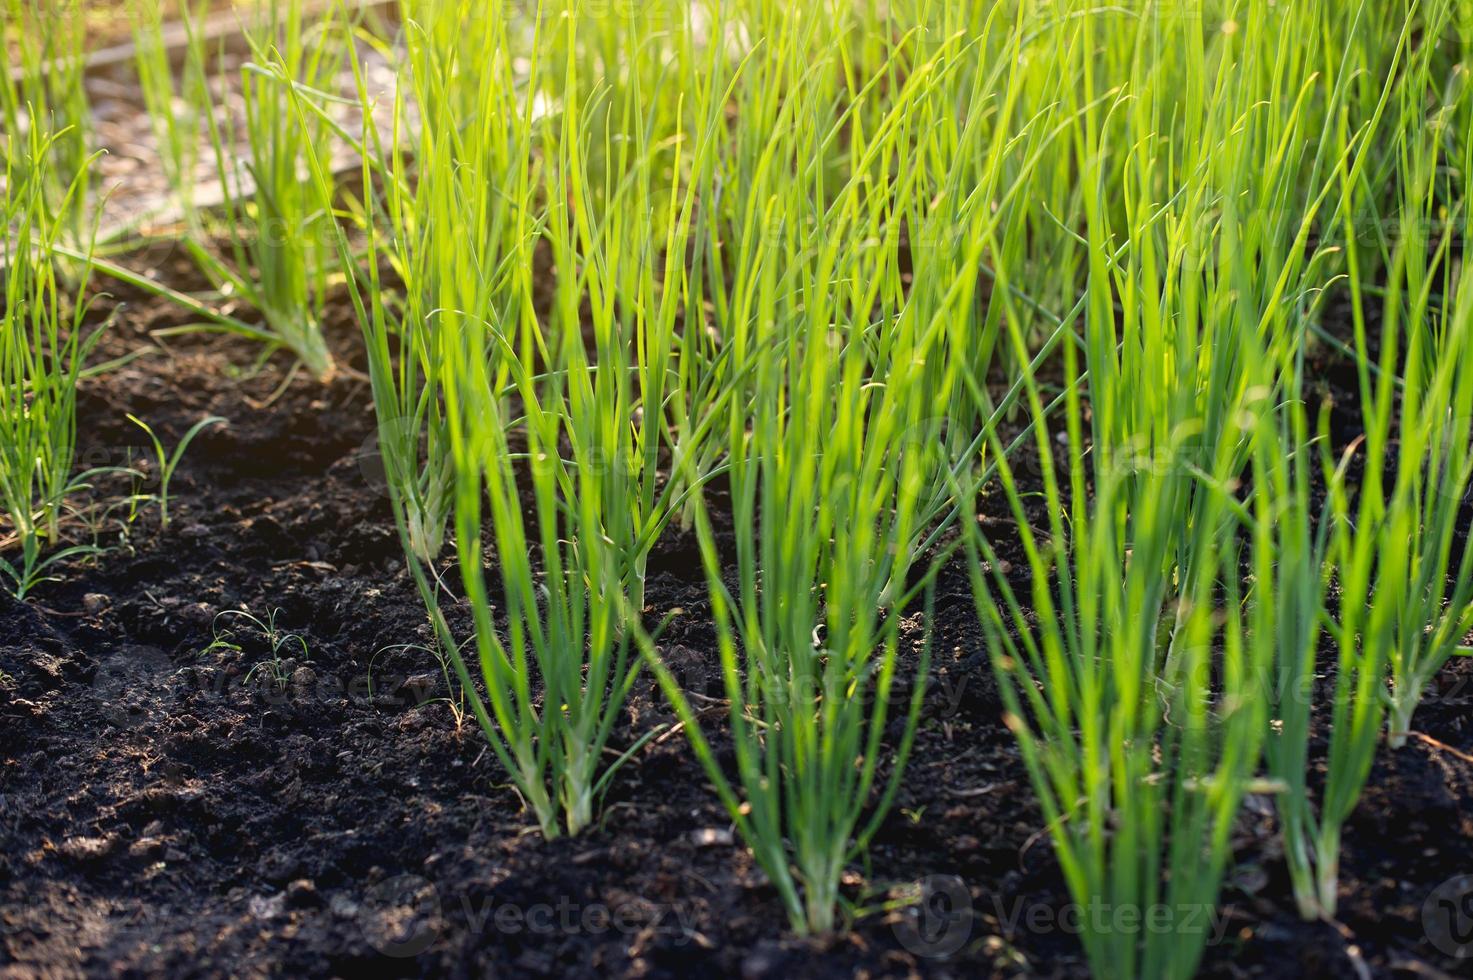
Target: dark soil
169,807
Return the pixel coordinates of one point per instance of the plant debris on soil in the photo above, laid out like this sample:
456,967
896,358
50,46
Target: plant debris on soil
178,799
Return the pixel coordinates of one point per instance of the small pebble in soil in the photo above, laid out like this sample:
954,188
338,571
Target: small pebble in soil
711,837
420,688
198,615
146,848
84,849
302,894
302,680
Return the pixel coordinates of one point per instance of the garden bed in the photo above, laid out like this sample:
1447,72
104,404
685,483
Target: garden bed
161,815
742,426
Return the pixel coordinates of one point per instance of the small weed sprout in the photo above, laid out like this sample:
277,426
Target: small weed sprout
167,463
281,645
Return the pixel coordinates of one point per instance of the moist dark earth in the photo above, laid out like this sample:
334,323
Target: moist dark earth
173,805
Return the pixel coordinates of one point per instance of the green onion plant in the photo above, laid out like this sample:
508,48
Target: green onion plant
489,394
45,341
175,89
1136,701
42,93
1216,168
278,252
1409,588
1380,588
840,451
